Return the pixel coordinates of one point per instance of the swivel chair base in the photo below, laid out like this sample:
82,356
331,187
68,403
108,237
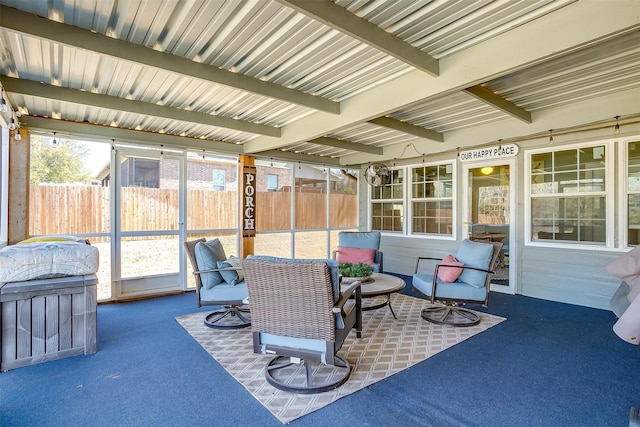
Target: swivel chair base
285,375
450,315
230,317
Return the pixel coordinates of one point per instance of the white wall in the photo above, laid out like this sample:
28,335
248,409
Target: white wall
569,275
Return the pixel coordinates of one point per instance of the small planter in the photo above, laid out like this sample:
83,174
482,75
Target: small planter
349,280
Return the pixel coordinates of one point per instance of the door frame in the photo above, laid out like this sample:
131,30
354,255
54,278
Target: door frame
513,261
133,287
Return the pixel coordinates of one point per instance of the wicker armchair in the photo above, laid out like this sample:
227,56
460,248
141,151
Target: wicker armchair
300,317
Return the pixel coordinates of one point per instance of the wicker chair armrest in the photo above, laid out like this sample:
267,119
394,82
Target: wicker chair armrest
344,296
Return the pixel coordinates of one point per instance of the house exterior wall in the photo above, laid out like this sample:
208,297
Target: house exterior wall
554,272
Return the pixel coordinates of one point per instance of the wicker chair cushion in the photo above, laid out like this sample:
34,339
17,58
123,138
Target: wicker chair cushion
477,255
331,263
455,290
207,255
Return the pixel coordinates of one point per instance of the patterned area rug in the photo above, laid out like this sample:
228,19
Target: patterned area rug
387,346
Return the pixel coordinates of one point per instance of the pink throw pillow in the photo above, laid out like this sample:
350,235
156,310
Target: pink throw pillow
356,255
450,274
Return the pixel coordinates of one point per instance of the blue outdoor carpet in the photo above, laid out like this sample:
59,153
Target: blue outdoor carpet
549,364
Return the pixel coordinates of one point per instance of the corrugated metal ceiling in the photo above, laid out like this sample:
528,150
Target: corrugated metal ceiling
274,43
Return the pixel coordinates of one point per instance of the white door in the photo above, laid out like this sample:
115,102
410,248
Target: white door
146,218
489,213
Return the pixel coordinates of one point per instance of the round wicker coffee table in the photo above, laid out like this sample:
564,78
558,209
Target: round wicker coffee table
379,285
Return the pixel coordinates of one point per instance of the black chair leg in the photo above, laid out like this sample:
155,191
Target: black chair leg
449,315
301,378
229,318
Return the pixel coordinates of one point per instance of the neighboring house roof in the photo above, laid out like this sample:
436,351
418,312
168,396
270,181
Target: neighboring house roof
334,82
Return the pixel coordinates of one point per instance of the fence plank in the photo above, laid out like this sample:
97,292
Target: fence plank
69,209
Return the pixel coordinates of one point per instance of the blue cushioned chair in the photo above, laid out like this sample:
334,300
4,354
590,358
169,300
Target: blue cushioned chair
300,317
472,286
362,240
218,284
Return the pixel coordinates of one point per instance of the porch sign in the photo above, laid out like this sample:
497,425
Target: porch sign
489,153
248,201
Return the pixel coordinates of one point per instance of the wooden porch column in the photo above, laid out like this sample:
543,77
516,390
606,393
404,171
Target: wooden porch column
246,201
19,160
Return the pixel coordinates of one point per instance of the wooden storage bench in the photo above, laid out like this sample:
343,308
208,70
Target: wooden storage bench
48,319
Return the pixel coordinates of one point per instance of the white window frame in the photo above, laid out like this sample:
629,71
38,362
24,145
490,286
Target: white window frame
214,172
623,178
272,176
4,187
610,179
402,201
453,199
407,203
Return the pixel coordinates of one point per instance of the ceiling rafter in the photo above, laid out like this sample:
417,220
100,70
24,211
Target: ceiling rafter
346,145
575,25
488,97
340,19
41,90
299,157
408,128
44,28
109,133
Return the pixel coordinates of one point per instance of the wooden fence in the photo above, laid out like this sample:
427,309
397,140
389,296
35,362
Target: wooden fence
85,209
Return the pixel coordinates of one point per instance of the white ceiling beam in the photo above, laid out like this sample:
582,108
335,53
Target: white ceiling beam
578,114
399,125
289,156
341,19
576,25
347,145
41,90
488,97
36,26
94,132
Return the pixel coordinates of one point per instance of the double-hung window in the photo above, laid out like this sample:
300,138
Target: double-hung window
387,203
218,179
420,205
568,190
432,199
633,193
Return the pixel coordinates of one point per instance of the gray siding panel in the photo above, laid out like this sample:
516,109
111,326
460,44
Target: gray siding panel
567,275
557,274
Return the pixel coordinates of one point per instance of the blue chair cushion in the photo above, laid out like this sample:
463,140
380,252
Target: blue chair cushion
331,263
207,256
474,254
453,290
232,277
225,292
363,240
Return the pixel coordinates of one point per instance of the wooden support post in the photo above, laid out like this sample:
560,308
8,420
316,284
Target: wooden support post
247,208
19,161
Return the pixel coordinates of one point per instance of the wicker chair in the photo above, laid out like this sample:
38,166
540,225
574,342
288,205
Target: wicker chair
231,297
476,263
300,316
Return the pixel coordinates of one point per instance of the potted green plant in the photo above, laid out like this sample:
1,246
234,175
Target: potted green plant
352,272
